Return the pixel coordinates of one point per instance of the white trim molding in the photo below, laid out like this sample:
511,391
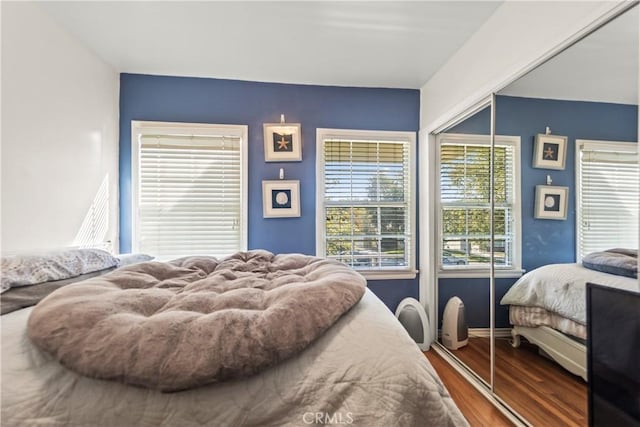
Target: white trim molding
486,332
428,280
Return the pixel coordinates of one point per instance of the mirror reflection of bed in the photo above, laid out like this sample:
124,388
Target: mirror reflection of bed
588,94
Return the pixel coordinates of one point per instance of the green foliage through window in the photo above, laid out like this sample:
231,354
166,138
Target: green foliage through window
366,193
465,204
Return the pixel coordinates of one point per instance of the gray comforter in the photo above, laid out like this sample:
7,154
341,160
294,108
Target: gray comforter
365,370
194,321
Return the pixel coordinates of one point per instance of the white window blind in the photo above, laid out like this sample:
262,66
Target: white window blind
608,182
366,202
189,195
464,168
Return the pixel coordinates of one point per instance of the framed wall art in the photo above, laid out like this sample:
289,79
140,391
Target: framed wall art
550,151
280,199
282,142
551,202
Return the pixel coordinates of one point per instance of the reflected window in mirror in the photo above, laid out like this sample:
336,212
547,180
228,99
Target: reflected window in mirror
607,198
464,203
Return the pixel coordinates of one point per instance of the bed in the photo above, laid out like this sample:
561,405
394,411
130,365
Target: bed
363,370
547,306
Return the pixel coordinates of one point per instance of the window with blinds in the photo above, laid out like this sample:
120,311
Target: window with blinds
190,191
365,199
464,178
607,204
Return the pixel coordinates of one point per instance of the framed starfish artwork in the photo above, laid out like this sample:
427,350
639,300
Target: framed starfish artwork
549,151
282,142
280,199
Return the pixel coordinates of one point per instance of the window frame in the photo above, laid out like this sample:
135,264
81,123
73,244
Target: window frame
515,270
594,145
322,134
140,128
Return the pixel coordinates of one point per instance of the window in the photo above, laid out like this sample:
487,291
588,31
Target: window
464,204
366,200
607,196
189,189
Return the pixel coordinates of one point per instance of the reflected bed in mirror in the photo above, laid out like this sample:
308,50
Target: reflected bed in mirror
547,307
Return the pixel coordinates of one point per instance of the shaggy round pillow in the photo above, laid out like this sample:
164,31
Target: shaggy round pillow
196,320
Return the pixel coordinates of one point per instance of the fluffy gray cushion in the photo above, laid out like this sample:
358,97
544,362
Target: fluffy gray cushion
194,321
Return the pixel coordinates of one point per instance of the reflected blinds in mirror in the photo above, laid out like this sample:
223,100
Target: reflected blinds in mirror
465,204
608,181
189,198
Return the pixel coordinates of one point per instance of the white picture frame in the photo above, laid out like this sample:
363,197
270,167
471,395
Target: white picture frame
281,199
551,202
550,151
282,142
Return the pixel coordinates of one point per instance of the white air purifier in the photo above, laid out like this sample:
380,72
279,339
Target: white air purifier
455,333
412,316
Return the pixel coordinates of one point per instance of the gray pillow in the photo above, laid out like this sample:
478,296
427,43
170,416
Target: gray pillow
618,261
26,296
31,269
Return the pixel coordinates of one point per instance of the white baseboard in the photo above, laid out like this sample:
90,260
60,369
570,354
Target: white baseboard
486,332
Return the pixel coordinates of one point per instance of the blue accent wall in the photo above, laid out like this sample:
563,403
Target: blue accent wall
544,241
204,100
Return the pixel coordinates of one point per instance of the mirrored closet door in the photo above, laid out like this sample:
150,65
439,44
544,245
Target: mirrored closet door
575,122
561,144
463,153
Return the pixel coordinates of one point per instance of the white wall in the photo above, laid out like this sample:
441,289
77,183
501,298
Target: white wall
59,136
517,35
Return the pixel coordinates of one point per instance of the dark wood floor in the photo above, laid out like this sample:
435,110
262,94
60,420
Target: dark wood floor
538,388
474,406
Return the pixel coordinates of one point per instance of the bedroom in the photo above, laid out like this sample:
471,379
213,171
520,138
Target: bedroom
84,112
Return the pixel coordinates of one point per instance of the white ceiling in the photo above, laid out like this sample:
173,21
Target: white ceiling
602,67
393,44
372,44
